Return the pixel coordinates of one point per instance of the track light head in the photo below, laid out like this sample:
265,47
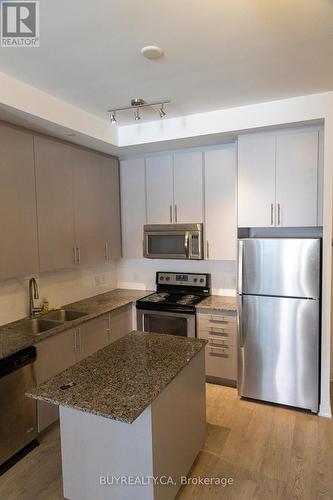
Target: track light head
137,115
113,118
161,111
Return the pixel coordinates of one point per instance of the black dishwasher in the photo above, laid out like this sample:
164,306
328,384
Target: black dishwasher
18,415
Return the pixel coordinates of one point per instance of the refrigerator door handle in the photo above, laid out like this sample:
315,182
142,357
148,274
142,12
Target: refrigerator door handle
240,266
239,319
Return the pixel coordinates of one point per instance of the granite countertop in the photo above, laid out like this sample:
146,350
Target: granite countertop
121,380
14,336
218,302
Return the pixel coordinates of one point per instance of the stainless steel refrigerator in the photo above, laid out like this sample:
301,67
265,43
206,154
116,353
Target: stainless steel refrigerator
279,320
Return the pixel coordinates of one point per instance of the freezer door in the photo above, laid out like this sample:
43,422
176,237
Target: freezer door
279,350
279,267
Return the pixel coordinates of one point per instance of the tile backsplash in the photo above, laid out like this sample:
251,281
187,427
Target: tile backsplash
61,287
140,273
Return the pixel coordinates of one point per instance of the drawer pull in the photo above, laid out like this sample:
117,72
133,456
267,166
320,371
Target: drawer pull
218,341
222,319
218,351
218,318
216,329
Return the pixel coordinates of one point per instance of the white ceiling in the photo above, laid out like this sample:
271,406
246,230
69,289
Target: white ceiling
218,54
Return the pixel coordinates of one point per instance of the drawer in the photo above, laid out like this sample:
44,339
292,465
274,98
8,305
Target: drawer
218,317
220,343
221,363
218,328
228,334
229,324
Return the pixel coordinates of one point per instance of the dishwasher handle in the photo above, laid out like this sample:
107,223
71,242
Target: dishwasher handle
15,361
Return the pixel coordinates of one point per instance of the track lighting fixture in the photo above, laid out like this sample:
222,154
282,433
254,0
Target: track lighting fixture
136,105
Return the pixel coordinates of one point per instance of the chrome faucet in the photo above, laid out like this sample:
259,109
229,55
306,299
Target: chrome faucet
33,294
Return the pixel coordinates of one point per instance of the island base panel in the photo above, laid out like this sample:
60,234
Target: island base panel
163,441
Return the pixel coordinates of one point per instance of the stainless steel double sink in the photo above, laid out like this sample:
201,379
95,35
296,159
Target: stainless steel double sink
48,321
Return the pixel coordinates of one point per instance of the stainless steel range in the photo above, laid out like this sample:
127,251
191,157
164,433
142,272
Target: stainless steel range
171,309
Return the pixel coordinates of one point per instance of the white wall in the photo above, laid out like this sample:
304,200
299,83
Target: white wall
59,288
253,116
141,273
33,108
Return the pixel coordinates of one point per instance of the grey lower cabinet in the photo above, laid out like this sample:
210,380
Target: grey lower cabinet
120,323
91,336
57,353
220,329
54,355
18,221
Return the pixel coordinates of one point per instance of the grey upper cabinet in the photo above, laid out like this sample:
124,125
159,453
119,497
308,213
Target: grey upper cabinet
297,178
220,173
89,227
188,190
133,206
159,189
59,203
54,184
110,196
256,180
174,188
278,179
18,221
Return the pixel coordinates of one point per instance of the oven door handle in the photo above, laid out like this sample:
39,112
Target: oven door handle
187,244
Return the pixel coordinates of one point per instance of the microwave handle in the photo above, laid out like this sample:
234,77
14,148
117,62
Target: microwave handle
187,244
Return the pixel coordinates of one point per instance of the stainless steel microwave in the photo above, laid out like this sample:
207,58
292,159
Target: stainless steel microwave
173,241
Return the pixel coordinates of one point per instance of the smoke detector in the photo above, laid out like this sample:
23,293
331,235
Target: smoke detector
152,52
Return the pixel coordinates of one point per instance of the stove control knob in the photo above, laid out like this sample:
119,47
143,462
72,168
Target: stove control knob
195,280
201,280
161,278
167,278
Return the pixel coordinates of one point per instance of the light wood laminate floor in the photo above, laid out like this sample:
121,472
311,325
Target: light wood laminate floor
270,452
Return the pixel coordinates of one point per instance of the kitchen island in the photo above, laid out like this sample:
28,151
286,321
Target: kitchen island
132,417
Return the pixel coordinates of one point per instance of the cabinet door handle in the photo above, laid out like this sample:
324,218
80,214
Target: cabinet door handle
272,214
170,214
74,338
207,249
106,251
79,339
108,328
108,324
279,214
74,255
176,214
78,254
